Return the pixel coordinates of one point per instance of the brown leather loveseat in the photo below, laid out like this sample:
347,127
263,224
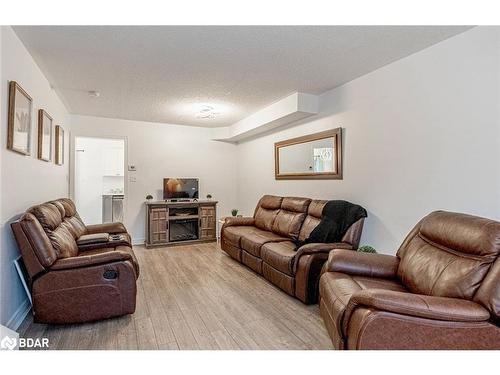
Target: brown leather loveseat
441,290
266,243
68,284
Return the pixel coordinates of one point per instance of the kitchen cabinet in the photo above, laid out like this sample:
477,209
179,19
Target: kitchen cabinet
113,161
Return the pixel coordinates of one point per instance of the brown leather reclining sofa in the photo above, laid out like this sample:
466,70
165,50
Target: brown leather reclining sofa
441,290
265,243
68,284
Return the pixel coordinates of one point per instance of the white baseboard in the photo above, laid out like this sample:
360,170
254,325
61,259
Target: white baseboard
19,315
138,241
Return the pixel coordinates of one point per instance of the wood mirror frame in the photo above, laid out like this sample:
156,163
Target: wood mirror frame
336,134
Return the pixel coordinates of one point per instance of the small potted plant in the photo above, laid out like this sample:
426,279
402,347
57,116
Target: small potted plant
149,197
209,196
234,212
367,249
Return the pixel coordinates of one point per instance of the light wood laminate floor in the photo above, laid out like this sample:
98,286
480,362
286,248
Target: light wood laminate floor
196,297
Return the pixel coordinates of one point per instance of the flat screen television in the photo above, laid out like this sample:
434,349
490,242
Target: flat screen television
180,188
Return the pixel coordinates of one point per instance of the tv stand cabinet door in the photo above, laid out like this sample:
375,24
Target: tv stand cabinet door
208,222
158,225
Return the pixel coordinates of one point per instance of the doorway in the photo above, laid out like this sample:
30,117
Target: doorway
99,180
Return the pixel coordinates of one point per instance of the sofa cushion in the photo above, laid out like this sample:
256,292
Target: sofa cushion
448,254
63,242
270,202
266,211
295,204
279,255
233,235
75,225
312,219
288,223
69,206
60,207
315,208
253,241
336,290
264,218
310,222
48,215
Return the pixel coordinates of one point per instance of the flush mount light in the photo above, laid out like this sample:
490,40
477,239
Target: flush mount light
207,112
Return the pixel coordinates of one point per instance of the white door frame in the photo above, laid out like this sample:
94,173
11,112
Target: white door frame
72,167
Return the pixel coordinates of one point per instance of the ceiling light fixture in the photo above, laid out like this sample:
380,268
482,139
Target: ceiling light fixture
203,111
207,112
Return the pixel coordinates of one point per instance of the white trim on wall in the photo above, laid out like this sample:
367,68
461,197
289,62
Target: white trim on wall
19,315
138,241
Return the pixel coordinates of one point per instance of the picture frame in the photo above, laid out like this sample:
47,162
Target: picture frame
44,136
59,149
19,120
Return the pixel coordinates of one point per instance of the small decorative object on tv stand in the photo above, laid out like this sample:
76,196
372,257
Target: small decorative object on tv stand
178,223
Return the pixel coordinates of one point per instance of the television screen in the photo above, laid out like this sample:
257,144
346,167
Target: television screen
180,188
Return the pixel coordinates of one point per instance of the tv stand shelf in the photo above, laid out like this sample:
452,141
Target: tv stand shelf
180,217
166,227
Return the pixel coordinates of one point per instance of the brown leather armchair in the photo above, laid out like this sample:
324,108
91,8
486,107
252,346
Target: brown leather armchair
441,290
267,243
69,284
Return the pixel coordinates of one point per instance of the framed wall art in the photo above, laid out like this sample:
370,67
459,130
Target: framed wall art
44,136
19,120
59,145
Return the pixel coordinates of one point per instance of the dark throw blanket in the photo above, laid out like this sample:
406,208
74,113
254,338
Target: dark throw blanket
336,218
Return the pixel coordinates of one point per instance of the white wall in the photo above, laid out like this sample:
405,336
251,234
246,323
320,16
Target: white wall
420,134
25,180
165,150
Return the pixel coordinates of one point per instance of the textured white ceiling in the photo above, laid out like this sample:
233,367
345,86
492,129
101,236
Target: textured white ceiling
156,73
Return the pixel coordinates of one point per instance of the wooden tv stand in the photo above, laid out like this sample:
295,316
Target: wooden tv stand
179,223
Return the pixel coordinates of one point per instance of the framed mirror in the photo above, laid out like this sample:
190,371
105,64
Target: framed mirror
314,156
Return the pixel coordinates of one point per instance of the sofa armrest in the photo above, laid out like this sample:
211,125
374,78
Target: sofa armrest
111,228
318,248
238,221
90,260
362,264
418,305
